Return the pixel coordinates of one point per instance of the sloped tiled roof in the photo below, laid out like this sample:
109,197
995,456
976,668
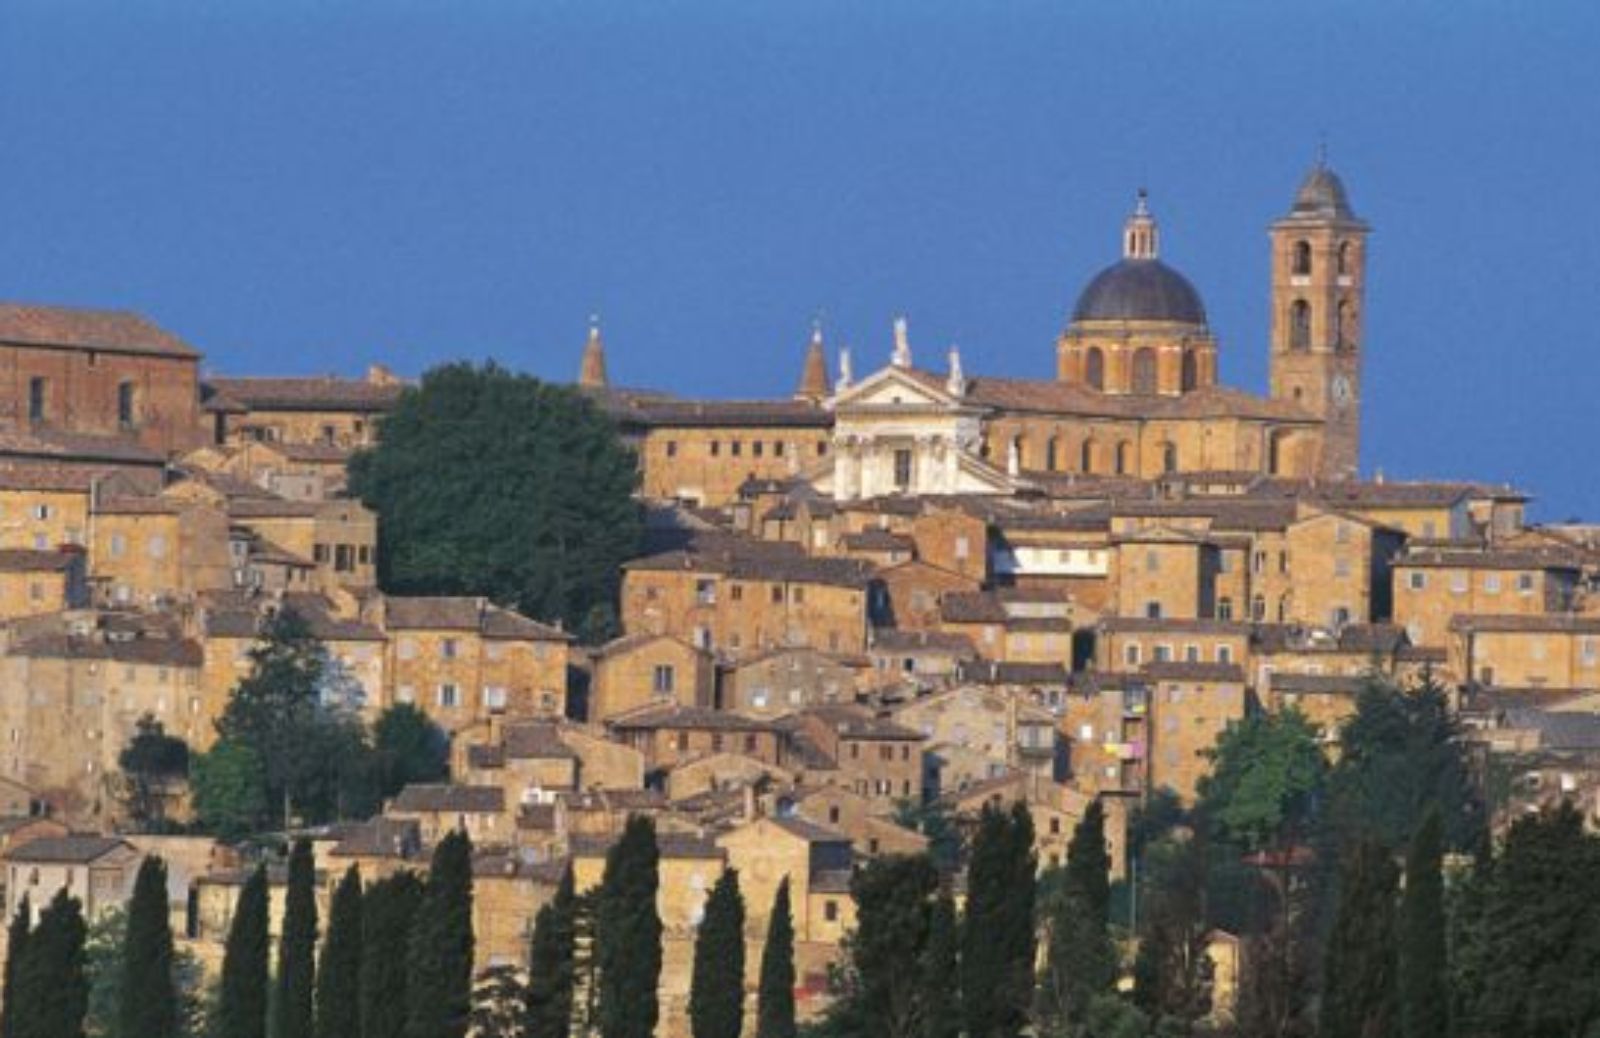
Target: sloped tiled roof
65,327
449,797
464,613
316,393
76,849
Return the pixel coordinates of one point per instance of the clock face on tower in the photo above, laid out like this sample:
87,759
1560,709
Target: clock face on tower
1341,389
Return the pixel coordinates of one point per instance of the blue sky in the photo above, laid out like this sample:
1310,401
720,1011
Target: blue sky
304,187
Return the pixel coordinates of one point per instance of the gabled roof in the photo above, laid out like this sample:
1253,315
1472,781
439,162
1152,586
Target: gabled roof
67,850
111,331
465,613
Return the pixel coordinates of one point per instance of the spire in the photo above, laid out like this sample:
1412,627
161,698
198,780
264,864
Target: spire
844,369
955,383
814,375
901,357
1139,236
592,373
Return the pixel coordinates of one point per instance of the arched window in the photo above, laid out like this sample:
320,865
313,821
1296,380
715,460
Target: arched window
1300,325
1123,458
1094,368
125,404
1050,454
1144,371
1169,457
1258,608
1344,257
1342,330
1191,370
1086,456
1302,258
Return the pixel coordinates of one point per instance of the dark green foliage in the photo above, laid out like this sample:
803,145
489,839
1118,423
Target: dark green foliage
1080,958
388,910
775,996
242,1010
408,748
932,820
17,934
106,957
1359,985
499,1004
628,930
293,1015
51,982
550,964
439,956
1400,756
716,991
153,765
1424,964
490,483
339,971
942,997
1539,955
312,757
1173,971
1265,776
229,786
997,945
887,992
149,1004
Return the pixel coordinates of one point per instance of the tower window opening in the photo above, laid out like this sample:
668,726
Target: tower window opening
1191,371
1302,258
1086,456
1094,368
1344,257
1300,325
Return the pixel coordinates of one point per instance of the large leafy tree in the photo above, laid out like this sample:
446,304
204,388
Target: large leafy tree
716,990
339,971
1424,962
294,1015
1265,776
628,929
149,994
550,964
1173,972
242,1006
888,992
493,483
52,982
1359,988
408,748
439,957
775,994
310,756
1399,757
387,912
230,790
152,764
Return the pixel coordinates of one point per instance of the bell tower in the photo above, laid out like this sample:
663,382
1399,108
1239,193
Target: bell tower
1319,258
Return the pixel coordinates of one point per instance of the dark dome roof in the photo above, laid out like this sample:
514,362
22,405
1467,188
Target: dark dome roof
1322,194
1140,290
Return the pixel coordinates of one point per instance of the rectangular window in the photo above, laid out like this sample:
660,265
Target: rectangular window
672,448
705,592
1152,610
1224,608
36,394
1191,654
961,547
1163,653
1458,583
777,594
494,697
1525,583
662,680
830,910
1491,583
125,404
1130,655
736,592
777,448
447,648
736,448
755,448
902,469
716,448
1224,654
1418,581
344,558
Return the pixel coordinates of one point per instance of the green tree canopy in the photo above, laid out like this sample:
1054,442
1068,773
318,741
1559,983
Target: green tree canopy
716,990
1425,996
895,897
1264,779
1080,958
242,1007
550,964
997,940
387,912
492,483
339,971
1359,987
152,764
409,748
294,1012
52,982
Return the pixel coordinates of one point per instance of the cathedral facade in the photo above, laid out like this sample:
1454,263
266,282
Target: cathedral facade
1136,393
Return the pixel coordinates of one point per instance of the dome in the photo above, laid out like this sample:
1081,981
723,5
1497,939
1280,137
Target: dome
1140,290
1322,194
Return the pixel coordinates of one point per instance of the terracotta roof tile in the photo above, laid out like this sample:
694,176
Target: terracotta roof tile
64,327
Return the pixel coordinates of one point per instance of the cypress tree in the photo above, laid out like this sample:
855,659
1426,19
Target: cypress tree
716,990
983,951
550,964
149,1004
1081,960
387,913
1359,988
1424,967
629,934
339,972
439,956
297,948
51,974
242,1009
16,947
775,997
894,897
941,973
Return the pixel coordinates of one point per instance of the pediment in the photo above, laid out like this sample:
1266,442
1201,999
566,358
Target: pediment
895,387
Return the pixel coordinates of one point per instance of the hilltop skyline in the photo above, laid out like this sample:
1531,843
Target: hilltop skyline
294,196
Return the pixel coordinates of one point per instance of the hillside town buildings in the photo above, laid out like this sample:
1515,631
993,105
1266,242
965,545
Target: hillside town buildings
904,589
